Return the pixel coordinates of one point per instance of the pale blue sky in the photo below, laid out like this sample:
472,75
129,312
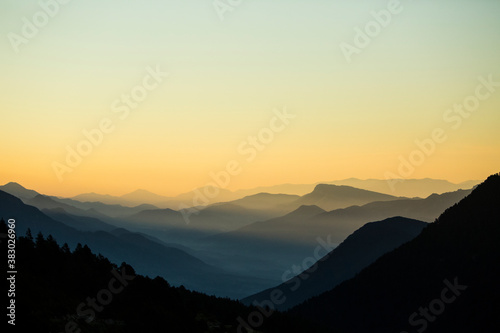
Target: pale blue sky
226,76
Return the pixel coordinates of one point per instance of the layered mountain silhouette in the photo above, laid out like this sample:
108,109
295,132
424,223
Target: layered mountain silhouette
399,274
149,257
359,250
395,187
294,236
87,208
444,280
223,217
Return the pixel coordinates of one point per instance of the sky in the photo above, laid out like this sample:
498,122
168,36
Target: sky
173,94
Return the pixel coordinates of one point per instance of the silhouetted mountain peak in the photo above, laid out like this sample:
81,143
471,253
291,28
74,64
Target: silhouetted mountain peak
325,188
329,189
142,195
18,190
140,191
14,185
308,210
330,197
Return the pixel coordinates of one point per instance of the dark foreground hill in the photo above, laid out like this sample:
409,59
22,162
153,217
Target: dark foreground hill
445,280
359,250
62,291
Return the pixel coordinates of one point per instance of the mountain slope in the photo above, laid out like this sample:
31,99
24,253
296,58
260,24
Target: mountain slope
444,280
359,250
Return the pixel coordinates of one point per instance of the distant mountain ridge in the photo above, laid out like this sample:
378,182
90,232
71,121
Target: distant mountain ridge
330,197
421,188
396,187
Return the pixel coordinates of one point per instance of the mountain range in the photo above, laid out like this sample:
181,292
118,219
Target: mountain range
395,187
341,258
238,236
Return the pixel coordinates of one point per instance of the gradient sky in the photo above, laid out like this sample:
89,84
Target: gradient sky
226,77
